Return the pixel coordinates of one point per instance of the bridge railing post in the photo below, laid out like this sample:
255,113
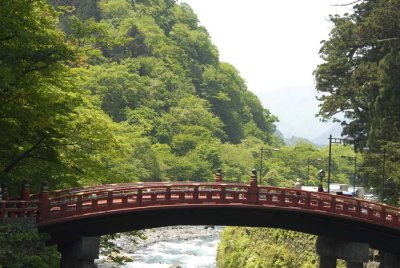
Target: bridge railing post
44,209
283,198
307,200
196,193
383,214
95,201
139,197
23,205
333,204
218,175
358,208
25,191
110,197
223,193
218,179
252,194
168,194
79,201
124,199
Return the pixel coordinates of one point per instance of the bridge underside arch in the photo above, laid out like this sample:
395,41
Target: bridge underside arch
340,227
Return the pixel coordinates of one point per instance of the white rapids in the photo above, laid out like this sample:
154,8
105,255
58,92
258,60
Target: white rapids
194,253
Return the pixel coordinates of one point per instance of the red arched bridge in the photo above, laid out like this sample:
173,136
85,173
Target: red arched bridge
97,210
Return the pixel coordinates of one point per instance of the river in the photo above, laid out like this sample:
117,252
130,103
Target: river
194,253
178,246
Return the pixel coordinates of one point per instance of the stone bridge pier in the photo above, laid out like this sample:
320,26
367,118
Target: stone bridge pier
355,254
389,260
330,249
81,253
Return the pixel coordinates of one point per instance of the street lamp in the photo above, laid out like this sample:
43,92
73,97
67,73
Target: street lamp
261,155
321,175
353,158
308,169
334,140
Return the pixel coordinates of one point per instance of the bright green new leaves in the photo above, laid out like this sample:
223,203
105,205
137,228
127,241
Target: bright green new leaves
36,94
196,43
239,109
130,90
266,247
50,130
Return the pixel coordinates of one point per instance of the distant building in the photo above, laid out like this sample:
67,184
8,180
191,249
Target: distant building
310,188
339,188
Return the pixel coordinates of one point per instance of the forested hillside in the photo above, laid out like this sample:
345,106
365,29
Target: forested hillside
103,91
119,90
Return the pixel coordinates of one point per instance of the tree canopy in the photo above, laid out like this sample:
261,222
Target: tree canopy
116,90
359,78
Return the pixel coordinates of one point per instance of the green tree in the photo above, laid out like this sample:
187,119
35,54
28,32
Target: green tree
360,74
36,95
50,128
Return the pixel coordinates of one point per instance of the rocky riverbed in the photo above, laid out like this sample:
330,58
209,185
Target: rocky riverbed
176,236
165,234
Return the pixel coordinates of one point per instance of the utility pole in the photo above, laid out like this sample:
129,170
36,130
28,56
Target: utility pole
383,175
261,159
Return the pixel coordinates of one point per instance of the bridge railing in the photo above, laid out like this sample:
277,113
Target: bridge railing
23,207
18,209
63,204
324,202
127,196
108,199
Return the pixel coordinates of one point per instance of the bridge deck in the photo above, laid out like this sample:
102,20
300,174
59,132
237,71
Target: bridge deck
71,204
97,210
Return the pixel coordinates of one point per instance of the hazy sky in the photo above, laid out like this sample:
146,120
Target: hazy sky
273,44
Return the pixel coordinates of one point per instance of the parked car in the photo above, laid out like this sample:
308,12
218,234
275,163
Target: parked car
371,197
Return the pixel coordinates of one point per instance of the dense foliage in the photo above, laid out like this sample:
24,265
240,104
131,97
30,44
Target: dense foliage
22,246
51,129
117,90
360,79
264,247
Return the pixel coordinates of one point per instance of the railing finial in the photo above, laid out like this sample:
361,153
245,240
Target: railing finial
44,202
25,190
253,189
4,191
254,173
45,186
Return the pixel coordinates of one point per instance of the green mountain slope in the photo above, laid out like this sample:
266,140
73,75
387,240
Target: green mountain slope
119,90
